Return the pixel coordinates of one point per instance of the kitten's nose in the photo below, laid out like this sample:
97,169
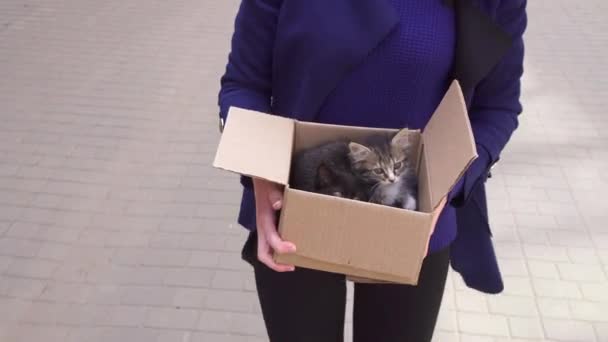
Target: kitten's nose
391,177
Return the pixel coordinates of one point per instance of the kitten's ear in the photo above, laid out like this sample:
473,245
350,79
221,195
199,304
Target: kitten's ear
358,152
324,176
401,139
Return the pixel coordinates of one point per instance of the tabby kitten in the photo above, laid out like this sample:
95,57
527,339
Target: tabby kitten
326,169
385,162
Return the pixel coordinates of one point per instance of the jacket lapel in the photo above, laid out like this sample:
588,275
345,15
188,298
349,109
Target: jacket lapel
368,23
480,44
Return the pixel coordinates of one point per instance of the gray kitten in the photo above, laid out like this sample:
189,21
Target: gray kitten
326,169
385,162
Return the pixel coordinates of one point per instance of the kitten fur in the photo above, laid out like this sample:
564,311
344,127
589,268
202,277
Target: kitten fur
385,163
326,169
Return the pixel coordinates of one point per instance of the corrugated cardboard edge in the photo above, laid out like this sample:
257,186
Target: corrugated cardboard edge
300,261
448,152
256,144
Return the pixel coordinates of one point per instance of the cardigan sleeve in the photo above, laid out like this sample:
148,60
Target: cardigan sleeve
495,105
246,82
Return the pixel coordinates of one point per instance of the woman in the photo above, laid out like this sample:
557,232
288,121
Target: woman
378,63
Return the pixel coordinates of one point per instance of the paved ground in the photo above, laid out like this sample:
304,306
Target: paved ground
113,226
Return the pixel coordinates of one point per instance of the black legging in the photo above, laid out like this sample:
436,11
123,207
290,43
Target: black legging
309,306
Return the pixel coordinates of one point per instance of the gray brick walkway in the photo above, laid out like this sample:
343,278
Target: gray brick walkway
113,226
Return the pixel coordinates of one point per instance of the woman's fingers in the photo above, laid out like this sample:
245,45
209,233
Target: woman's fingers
271,236
277,244
269,199
265,257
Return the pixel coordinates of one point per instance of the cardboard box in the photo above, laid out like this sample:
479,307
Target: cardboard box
358,239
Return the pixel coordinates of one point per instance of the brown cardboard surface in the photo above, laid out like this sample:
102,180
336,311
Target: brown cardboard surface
353,274
256,144
369,240
449,146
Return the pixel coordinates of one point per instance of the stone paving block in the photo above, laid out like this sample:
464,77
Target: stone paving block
543,269
23,288
204,337
104,294
152,296
152,257
446,321
578,272
172,335
481,324
562,330
589,311
583,256
595,292
59,234
131,334
546,253
19,247
526,327
556,289
513,305
509,250
204,259
4,227
10,212
191,297
534,237
84,314
22,230
32,268
229,280
128,316
189,277
518,286
234,301
166,240
172,318
441,336
569,239
241,323
66,292
476,338
5,262
474,302
45,313
601,331
12,310
513,267
37,333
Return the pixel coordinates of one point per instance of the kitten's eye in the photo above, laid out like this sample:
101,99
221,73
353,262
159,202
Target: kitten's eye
398,165
378,171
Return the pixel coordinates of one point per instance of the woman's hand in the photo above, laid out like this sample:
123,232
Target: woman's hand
269,199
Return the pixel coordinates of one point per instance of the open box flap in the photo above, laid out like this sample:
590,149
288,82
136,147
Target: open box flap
256,144
449,146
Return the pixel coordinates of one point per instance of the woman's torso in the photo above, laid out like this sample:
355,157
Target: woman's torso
402,81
